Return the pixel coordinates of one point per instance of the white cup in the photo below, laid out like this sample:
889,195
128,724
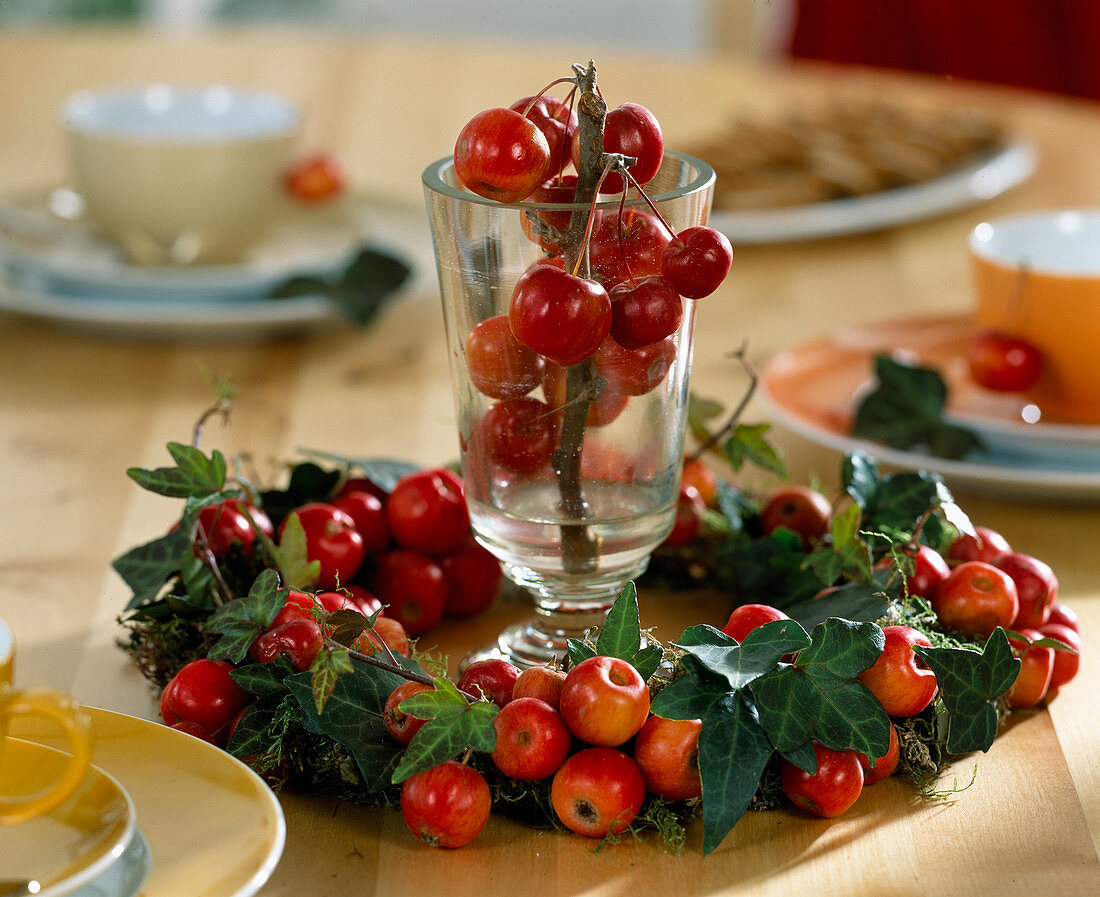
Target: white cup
179,175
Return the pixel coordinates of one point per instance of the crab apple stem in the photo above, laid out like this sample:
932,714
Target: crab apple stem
649,202
553,83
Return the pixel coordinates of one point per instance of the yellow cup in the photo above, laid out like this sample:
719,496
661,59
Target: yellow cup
1037,277
59,709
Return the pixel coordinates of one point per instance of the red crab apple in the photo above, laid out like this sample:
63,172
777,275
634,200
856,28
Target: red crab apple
557,122
644,311
426,511
985,545
500,365
501,155
387,632
598,791
493,678
532,740
633,372
929,570
698,474
832,789
747,617
1036,588
975,599
368,513
626,245
1064,614
884,767
803,511
604,701
688,521
1003,362
544,683
1066,663
447,805
473,579
517,434
555,314
300,640
632,130
1036,670
696,261
413,588
401,726
203,694
901,681
667,751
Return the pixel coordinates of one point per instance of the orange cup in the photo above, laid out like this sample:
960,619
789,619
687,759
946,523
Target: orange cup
1037,277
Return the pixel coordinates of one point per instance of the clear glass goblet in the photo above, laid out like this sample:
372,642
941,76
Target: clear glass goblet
572,526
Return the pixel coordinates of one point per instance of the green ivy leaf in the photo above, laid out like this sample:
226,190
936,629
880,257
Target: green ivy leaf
578,651
970,684
328,666
905,411
733,751
748,443
308,482
264,678
648,659
860,478
349,625
292,556
767,570
851,601
453,726
819,697
146,568
251,736
240,621
353,717
700,412
740,664
691,695
194,475
621,634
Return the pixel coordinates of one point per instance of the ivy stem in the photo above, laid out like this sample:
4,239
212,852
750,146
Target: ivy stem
395,668
727,428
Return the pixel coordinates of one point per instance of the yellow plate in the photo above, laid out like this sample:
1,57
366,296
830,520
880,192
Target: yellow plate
214,827
66,848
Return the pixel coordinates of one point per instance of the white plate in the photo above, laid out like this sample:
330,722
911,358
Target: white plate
159,319
812,389
48,246
983,179
214,828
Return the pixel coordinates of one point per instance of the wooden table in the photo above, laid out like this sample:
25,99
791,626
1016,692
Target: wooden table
77,410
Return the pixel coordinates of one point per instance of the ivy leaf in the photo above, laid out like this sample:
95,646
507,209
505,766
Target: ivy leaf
240,621
647,660
349,625
748,443
819,697
453,725
860,476
733,751
851,601
970,684
328,666
264,678
353,717
578,651
700,412
308,482
292,557
194,475
905,411
251,736
740,664
691,695
767,570
146,568
621,634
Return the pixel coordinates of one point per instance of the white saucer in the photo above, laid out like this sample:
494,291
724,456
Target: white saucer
127,876
48,246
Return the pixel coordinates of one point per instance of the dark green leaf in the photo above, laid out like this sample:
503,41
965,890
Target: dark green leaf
648,659
251,736
621,634
905,411
453,726
353,717
692,695
146,568
328,666
578,651
264,678
193,475
240,621
296,287
700,412
741,664
733,751
734,505
851,601
970,684
860,478
747,443
819,696
767,570
308,482
804,757
198,579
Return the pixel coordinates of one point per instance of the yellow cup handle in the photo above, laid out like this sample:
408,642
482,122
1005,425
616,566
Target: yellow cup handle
65,712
